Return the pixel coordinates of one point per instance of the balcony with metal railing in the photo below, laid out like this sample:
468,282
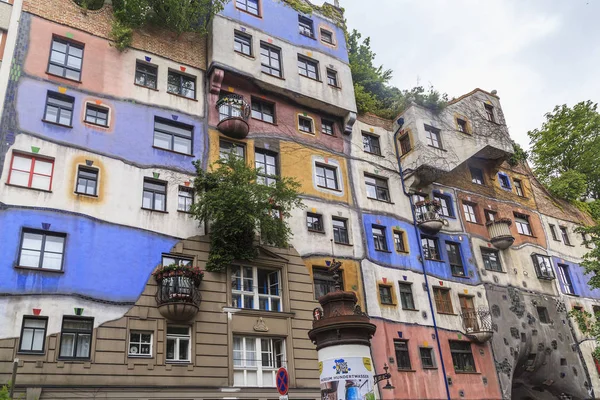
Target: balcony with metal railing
233,116
178,295
429,218
477,324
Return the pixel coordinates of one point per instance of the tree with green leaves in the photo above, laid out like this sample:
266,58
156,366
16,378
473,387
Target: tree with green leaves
237,206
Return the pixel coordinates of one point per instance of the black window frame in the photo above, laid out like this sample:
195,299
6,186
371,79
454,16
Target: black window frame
306,26
42,250
242,5
75,341
547,272
385,294
427,355
457,267
489,112
312,219
152,70
564,234
489,215
427,251
406,296
173,134
340,232
402,353
518,184
328,32
322,277
325,168
553,232
242,39
371,144
462,124
262,109
327,127
332,77
190,191
399,244
488,263
308,62
462,356
543,315
381,187
405,145
69,43
379,239
180,87
44,330
271,50
438,137
154,192
302,120
477,176
88,170
263,176
97,109
63,98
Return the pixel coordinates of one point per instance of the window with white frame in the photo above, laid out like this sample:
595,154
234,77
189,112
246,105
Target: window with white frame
445,204
178,343
168,259
33,334
522,223
185,199
433,137
470,214
256,288
226,148
326,176
140,344
256,360
543,266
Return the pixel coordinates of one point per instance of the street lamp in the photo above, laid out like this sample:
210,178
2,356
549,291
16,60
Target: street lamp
386,375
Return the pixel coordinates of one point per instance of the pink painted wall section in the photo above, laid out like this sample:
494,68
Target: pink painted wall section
420,383
286,116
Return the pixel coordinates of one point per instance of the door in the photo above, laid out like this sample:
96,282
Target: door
469,315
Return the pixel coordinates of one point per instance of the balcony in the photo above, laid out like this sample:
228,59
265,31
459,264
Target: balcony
233,116
428,215
477,324
178,294
500,234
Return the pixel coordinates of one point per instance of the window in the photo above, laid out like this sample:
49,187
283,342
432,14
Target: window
155,195
371,144
427,357
266,163
76,337
519,187
489,112
462,356
443,302
305,26
543,315
250,6
476,176
469,210
65,59
504,181
340,231
402,356
178,343
433,137
455,259
563,271
399,241
543,266
323,281
168,259
59,109
489,215
405,143
377,188
33,335
462,125
326,36
31,171
256,288
385,294
185,199
226,148
445,204
231,107
305,124
242,43
327,177
145,74
182,85
431,249
522,222
96,115
314,222
173,136
406,296
332,77
87,181
263,111
491,259
270,59
379,240
553,231
140,344
308,67
327,127
565,235
42,249
256,360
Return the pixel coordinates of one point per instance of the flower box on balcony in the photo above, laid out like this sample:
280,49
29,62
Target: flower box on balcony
178,295
167,271
428,216
233,114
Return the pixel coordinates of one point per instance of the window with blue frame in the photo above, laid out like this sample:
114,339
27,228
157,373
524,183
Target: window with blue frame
445,204
455,259
255,288
504,181
565,276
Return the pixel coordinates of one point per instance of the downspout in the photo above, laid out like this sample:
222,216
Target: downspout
418,236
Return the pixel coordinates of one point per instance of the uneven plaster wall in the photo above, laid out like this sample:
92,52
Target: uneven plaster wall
575,250
579,279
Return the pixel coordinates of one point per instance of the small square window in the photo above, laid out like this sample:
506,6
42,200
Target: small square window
250,6
489,215
427,357
462,125
332,78
140,344
96,115
185,199
405,146
66,58
308,67
59,109
181,85
323,281
305,124
340,230
31,171
476,176
42,249
263,111
504,181
543,315
327,127
242,43
76,338
314,222
33,335
226,148
145,74
402,355
399,241
491,259
326,36
178,343
371,144
543,266
154,195
305,26
433,137
174,136
326,176
379,239
377,188
385,294
87,181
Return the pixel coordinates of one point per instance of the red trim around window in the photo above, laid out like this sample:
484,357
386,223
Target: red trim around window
31,169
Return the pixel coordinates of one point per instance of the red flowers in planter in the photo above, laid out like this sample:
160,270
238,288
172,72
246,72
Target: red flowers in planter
173,270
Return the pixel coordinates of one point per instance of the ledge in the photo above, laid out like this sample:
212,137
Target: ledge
467,373
56,271
158,211
274,76
172,151
406,370
183,97
146,87
27,187
259,313
344,244
56,123
63,77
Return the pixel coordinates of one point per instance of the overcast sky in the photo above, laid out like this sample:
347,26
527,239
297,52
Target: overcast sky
535,53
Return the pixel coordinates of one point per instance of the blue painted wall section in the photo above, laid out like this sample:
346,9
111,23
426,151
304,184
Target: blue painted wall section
579,279
277,19
102,261
439,269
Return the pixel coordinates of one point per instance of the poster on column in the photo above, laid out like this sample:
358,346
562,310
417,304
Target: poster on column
347,378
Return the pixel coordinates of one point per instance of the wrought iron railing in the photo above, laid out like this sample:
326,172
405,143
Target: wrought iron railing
233,106
177,289
475,321
427,211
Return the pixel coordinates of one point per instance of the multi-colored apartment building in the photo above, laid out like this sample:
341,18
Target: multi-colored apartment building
466,264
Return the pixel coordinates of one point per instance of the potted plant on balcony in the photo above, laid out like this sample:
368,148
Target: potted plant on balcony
172,270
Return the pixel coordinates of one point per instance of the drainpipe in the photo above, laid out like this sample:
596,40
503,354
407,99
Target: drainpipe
418,236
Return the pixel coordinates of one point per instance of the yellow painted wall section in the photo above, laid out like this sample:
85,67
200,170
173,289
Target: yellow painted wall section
350,274
102,179
527,200
213,150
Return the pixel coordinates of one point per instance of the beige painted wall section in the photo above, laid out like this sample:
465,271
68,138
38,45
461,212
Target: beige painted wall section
558,247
